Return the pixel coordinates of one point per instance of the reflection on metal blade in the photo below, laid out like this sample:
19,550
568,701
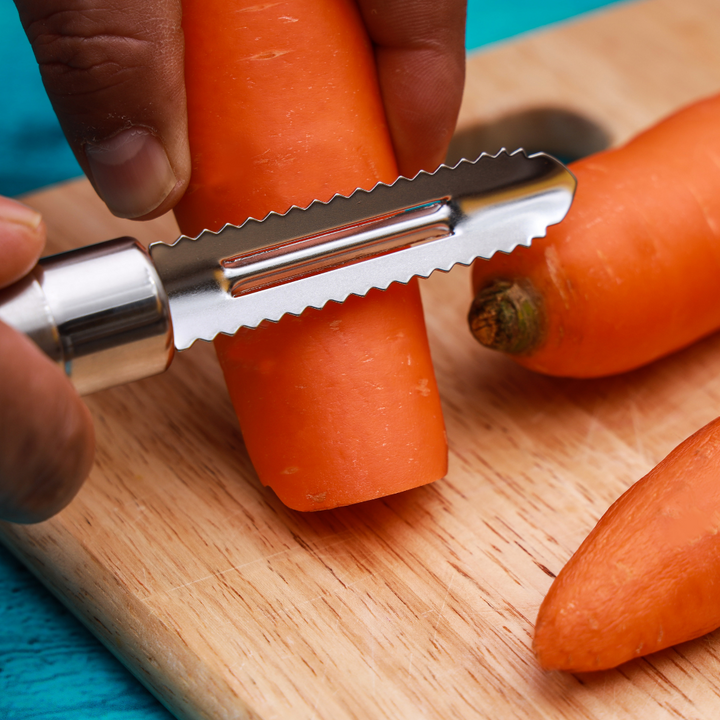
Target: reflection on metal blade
308,257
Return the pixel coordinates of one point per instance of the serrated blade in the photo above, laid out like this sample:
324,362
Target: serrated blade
262,270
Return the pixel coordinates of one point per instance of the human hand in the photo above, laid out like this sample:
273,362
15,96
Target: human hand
420,54
114,74
46,433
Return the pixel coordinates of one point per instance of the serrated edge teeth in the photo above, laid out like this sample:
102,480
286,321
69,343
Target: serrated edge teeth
340,295
339,196
378,286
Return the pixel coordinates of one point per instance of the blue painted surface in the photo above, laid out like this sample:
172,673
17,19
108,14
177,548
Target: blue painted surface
33,151
50,666
491,21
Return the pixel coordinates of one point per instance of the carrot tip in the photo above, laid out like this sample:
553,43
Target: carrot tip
507,316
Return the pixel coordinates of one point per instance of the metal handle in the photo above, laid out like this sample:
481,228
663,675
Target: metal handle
100,312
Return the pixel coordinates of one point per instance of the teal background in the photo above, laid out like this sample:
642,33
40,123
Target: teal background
33,151
51,668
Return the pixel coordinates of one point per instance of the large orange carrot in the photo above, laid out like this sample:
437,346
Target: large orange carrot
340,405
632,272
648,575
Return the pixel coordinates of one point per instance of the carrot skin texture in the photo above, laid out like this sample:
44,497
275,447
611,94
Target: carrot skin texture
284,109
631,274
375,462
648,575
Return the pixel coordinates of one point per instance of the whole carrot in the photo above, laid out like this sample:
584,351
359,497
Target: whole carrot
339,405
648,575
631,274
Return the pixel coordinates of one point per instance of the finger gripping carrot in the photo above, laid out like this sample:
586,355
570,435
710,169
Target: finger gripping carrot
339,405
631,274
648,575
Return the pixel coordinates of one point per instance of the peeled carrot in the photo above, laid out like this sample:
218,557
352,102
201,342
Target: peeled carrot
647,577
339,405
632,272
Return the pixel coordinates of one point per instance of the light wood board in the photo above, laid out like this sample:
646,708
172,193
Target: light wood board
228,605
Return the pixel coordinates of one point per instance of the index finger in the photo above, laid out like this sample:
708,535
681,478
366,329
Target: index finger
420,52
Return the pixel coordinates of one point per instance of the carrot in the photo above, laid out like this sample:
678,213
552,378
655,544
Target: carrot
340,405
647,576
631,274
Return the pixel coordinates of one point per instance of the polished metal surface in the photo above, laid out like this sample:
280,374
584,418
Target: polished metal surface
99,312
241,276
104,312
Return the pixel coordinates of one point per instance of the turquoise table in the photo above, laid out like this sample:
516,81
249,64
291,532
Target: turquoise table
50,666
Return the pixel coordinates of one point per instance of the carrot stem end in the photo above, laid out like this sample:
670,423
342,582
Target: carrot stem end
507,316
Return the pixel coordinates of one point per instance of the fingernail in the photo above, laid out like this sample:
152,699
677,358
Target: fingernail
12,211
131,171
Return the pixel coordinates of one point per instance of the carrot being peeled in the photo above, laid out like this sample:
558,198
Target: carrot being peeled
648,575
631,274
339,405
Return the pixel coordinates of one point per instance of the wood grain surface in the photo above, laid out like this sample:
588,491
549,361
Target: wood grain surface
228,605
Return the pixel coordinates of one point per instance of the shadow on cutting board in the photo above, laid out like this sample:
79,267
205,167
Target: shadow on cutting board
562,133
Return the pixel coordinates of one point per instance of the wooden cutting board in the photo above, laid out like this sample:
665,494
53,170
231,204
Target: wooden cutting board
228,605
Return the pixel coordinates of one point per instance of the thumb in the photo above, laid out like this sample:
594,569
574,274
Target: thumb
22,239
46,433
113,70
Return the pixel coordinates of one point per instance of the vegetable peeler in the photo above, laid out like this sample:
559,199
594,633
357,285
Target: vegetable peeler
114,312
